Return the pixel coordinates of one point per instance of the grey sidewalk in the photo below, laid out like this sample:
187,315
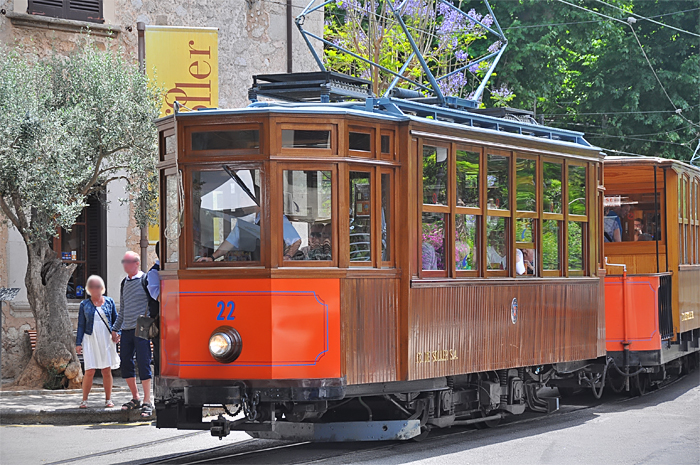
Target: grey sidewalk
60,407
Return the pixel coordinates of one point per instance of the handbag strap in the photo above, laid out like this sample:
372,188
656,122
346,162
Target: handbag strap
103,320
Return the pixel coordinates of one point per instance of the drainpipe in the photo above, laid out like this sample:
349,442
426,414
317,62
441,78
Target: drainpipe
141,29
289,36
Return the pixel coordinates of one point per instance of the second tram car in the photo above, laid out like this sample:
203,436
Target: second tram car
371,269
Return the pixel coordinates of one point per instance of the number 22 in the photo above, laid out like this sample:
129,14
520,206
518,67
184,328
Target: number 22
231,306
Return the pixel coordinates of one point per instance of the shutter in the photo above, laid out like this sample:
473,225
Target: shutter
85,10
96,244
52,8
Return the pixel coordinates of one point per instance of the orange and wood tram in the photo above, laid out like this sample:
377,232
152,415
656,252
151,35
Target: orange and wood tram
341,267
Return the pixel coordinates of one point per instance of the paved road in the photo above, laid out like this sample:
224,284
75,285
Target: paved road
661,428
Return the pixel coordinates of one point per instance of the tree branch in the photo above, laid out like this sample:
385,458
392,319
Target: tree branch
8,213
95,174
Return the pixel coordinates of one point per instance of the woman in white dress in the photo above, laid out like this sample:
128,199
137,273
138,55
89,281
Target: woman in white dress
96,318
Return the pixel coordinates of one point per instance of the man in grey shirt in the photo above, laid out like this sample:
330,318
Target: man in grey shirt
133,302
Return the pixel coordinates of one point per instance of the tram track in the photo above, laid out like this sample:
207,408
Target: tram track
198,457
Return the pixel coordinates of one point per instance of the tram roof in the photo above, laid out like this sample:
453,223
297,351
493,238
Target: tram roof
392,109
645,160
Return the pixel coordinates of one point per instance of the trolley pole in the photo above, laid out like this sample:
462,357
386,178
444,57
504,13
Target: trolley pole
141,29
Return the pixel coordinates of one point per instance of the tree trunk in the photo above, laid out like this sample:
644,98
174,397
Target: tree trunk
46,281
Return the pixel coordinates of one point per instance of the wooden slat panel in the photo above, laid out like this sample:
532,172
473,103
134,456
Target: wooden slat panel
556,322
689,296
369,314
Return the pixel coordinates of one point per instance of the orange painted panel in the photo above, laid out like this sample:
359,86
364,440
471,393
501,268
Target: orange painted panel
642,301
290,328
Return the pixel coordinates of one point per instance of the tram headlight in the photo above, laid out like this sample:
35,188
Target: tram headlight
225,344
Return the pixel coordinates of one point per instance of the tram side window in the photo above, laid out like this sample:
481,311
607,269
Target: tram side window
466,242
226,215
172,219
498,179
550,245
435,172
386,217
360,217
307,218
552,178
526,251
637,219
577,190
433,255
496,243
306,139
575,243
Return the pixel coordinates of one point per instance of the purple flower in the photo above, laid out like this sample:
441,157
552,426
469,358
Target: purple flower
496,46
474,68
461,55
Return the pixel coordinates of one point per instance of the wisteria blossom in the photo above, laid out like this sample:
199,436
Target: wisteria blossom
443,34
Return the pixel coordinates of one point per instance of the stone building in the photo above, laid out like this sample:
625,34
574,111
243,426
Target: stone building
252,40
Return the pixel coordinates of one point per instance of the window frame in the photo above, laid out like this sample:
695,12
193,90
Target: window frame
304,151
429,208
373,262
582,219
66,12
508,214
165,264
561,218
277,211
204,155
536,240
381,171
188,177
371,153
479,211
391,155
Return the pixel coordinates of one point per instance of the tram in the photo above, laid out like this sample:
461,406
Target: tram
652,291
370,269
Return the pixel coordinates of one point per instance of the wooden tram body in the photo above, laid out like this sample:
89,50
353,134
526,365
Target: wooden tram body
362,318
652,287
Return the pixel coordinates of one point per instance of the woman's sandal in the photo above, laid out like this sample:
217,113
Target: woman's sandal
146,410
83,404
109,403
133,404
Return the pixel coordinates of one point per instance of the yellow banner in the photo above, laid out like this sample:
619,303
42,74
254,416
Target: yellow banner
185,62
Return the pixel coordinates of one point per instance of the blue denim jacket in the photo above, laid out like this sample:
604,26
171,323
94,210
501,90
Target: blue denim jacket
86,317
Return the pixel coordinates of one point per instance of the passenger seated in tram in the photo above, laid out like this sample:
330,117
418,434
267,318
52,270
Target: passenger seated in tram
525,261
495,253
639,234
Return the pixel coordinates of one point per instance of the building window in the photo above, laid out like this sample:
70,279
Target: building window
84,245
79,10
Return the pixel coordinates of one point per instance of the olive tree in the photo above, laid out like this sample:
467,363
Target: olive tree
69,125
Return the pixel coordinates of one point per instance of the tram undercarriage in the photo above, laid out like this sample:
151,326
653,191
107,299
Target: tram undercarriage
383,411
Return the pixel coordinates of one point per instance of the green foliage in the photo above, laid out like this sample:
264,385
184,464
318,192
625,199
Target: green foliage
68,126
586,73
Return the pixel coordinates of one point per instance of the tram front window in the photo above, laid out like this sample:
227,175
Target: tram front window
307,220
226,215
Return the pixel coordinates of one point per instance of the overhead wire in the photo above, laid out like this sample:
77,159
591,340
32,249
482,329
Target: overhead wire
647,19
678,111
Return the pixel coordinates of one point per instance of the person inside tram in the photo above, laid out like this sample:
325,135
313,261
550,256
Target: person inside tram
639,234
613,223
245,236
495,252
525,261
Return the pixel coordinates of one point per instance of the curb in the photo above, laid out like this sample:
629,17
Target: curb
69,416
49,392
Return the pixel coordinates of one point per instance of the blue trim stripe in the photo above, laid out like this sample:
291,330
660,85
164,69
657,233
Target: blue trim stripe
259,364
